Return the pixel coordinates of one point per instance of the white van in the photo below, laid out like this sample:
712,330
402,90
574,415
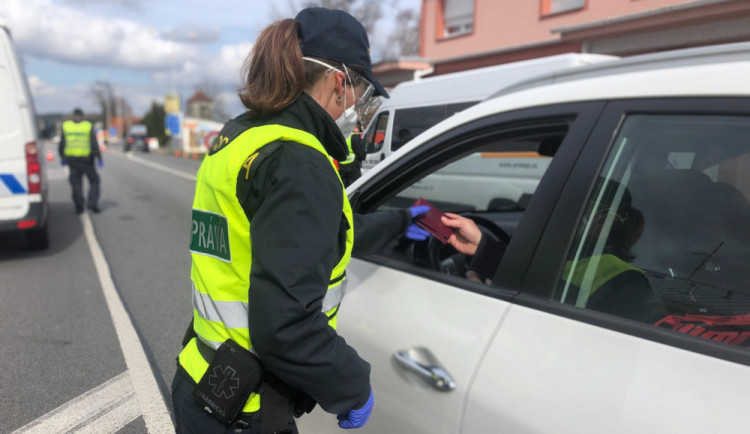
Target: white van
23,189
415,106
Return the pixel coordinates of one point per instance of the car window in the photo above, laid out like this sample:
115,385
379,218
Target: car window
490,181
376,134
665,237
411,122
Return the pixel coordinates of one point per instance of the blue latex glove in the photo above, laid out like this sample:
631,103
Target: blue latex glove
100,163
414,232
357,418
62,162
416,211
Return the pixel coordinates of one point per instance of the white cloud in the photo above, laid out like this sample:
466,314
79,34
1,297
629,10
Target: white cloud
132,4
47,30
225,67
192,34
40,87
53,99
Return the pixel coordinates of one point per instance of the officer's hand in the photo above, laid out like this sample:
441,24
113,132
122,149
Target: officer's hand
100,163
357,418
414,232
63,162
417,211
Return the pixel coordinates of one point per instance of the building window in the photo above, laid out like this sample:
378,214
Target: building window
458,17
550,7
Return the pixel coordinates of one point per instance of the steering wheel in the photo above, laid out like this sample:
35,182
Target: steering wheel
437,252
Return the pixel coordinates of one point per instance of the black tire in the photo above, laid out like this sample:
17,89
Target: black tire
37,239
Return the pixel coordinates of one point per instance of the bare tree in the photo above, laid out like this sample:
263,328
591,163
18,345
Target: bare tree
110,104
102,94
403,39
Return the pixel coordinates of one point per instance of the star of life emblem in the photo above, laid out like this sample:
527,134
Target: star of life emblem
224,381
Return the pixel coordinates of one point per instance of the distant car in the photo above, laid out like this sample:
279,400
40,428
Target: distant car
23,187
136,138
617,195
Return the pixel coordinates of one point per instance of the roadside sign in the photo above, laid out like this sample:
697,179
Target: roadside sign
172,124
172,103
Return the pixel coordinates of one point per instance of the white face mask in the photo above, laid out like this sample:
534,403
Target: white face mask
348,119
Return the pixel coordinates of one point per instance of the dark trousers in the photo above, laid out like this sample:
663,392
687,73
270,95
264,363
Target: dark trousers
191,418
77,170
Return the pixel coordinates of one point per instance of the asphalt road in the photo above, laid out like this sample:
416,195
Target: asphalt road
57,335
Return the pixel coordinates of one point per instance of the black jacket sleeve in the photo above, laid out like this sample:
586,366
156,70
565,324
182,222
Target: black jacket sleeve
294,205
61,146
487,257
372,232
358,147
94,145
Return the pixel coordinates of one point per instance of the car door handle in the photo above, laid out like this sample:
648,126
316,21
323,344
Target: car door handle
421,361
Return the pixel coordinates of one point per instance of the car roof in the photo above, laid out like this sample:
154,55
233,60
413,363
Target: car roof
721,70
478,84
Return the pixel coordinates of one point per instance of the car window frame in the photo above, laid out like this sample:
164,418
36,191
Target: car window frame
409,168
557,238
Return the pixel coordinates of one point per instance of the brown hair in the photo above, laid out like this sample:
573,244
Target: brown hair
275,72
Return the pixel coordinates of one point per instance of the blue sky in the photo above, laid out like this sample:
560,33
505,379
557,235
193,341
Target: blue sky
66,45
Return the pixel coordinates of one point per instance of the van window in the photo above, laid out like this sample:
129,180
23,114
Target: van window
664,238
376,134
409,123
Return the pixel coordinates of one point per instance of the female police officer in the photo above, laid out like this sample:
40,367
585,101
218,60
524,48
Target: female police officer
272,233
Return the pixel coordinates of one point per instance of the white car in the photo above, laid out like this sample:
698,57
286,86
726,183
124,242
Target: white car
23,188
621,302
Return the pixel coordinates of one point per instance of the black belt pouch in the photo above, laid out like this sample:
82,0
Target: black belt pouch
233,374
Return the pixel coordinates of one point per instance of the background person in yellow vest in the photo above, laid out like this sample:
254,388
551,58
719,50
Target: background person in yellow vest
272,233
78,149
617,288
351,168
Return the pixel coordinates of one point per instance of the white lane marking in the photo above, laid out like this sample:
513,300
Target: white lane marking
147,392
161,167
106,408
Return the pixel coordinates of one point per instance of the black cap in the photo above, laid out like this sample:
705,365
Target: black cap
77,112
335,35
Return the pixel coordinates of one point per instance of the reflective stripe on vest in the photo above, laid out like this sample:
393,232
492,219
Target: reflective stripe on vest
351,157
608,267
77,138
221,248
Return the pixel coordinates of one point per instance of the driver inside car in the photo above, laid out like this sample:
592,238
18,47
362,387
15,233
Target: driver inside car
618,287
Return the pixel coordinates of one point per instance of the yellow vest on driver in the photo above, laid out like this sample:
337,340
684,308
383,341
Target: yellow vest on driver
221,247
77,138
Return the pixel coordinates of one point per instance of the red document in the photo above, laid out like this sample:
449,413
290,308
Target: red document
430,221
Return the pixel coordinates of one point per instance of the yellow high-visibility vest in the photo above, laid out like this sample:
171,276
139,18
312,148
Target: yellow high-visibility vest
351,157
77,138
222,253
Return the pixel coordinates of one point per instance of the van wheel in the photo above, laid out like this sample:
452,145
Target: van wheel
37,239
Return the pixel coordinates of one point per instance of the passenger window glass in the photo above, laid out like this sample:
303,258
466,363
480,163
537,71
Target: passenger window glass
376,134
665,238
490,183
